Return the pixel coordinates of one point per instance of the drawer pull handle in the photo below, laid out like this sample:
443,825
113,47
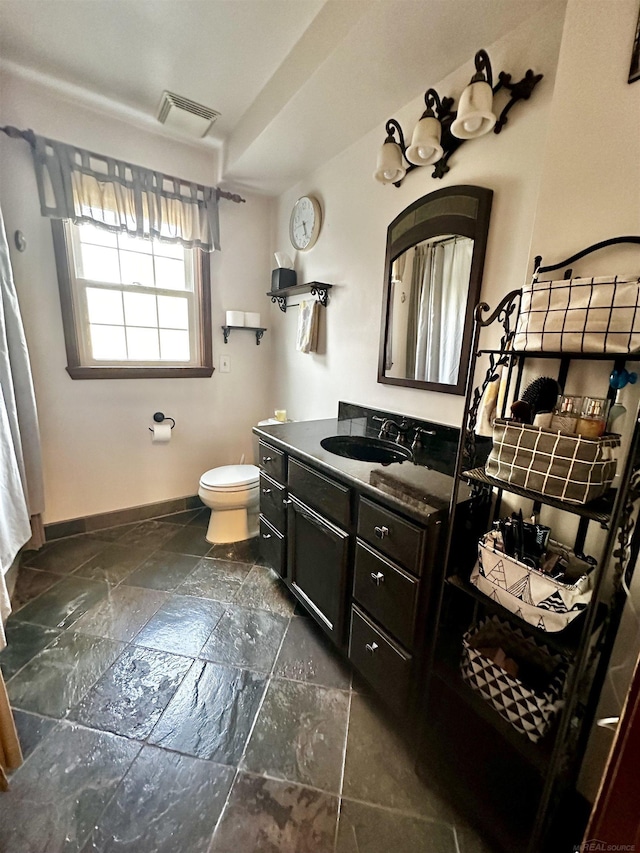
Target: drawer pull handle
266,491
371,647
266,459
377,578
266,536
381,532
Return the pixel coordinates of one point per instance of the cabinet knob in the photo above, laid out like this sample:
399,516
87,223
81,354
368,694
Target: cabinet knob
381,532
266,459
266,536
266,491
371,647
286,501
377,578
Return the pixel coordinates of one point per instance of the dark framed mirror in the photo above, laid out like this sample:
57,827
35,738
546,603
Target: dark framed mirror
432,279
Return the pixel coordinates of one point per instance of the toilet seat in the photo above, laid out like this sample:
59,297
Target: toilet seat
230,478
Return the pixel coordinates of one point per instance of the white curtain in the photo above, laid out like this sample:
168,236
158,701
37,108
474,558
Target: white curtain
443,300
21,489
86,187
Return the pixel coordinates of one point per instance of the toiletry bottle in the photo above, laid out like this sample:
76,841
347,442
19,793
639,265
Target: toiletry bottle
567,412
593,417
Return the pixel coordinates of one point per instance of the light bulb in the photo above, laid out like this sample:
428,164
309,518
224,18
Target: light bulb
389,174
473,124
424,153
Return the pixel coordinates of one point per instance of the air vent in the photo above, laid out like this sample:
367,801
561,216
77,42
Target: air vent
184,115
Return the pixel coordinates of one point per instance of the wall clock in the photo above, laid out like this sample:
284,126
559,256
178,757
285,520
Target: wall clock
305,222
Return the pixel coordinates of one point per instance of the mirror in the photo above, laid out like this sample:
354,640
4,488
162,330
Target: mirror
433,274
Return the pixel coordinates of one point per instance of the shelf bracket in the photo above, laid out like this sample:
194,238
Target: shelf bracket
322,294
282,302
226,331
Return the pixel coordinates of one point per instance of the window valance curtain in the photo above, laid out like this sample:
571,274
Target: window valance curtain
87,187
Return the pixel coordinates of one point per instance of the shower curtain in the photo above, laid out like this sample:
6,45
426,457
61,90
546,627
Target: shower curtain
440,291
21,488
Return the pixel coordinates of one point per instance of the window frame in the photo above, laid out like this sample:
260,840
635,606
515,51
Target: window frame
71,319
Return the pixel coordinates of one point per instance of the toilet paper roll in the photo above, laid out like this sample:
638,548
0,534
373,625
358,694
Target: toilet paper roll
252,319
235,318
161,433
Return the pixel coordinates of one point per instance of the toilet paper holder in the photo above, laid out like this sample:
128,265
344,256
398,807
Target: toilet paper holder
160,417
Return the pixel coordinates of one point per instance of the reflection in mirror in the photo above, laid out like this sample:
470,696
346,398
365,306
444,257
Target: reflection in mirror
433,273
428,298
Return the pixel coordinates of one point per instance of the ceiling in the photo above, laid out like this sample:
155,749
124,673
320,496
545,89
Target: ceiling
295,81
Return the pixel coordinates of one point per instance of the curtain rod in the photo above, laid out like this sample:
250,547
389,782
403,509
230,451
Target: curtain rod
28,136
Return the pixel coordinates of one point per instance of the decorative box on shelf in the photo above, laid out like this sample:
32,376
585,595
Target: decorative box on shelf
569,468
529,700
543,602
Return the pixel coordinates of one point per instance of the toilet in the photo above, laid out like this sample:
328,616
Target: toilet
232,494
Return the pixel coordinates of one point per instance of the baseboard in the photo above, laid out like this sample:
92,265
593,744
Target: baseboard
90,523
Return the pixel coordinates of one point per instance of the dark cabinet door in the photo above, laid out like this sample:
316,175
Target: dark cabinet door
317,566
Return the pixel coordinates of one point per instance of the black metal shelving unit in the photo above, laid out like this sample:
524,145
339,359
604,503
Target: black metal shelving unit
516,788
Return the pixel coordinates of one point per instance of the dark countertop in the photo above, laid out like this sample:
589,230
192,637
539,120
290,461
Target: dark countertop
415,490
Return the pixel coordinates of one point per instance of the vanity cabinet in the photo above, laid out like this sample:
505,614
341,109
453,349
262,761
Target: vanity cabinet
360,568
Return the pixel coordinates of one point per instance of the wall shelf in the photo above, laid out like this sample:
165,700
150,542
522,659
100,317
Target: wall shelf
315,288
259,332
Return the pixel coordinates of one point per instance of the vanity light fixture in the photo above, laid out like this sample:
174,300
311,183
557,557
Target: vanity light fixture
475,110
441,130
425,147
390,168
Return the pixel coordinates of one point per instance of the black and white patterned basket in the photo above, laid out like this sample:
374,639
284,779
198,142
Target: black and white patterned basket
580,315
530,711
571,468
545,603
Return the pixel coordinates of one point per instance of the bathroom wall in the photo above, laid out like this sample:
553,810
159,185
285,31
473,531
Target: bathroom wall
98,455
350,251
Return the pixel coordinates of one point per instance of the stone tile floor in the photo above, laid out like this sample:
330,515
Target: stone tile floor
170,697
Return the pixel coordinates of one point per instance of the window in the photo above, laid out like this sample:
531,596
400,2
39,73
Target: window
132,307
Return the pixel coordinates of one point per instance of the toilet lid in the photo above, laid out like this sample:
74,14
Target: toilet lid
230,477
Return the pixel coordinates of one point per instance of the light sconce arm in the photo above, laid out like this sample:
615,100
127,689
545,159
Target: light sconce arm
484,72
392,126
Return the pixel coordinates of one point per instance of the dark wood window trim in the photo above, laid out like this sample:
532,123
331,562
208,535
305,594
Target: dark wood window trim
77,370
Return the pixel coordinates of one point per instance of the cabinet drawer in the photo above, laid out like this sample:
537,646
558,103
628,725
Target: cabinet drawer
273,462
330,498
272,547
386,667
388,593
271,507
393,535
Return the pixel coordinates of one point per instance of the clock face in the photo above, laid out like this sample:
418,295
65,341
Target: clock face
304,225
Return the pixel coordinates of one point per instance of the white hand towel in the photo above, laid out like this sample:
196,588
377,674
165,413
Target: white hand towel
308,319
